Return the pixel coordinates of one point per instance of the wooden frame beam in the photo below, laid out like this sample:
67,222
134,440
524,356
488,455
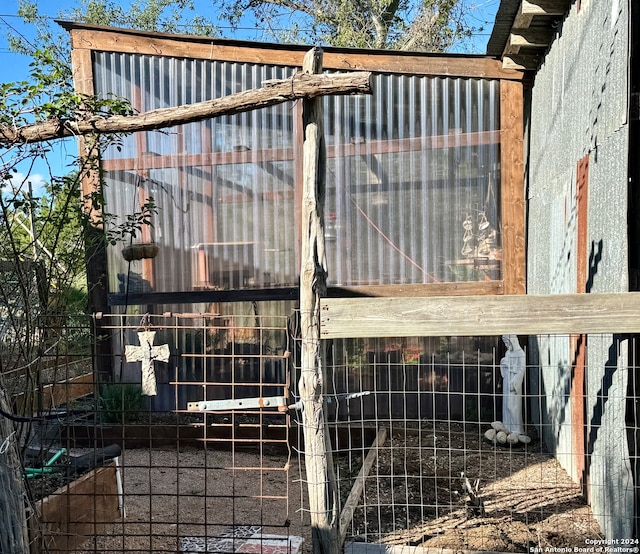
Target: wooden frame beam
156,44
512,187
269,155
318,461
270,94
527,38
545,7
531,38
522,36
531,8
480,315
466,288
358,487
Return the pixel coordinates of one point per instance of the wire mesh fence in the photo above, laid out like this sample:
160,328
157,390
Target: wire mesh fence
215,460
117,468
445,477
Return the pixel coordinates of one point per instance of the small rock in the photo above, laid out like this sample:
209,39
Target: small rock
524,439
512,438
490,435
501,437
499,426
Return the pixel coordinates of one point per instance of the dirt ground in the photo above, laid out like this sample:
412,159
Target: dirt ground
526,499
413,496
171,495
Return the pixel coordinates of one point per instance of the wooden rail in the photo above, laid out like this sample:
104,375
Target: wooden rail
55,394
480,315
358,486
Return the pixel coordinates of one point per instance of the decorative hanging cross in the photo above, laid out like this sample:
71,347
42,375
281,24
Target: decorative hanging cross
147,354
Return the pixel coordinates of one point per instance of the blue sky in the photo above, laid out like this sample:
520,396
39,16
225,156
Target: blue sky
15,67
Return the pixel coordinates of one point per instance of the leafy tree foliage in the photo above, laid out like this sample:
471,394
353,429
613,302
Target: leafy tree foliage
168,16
419,25
42,235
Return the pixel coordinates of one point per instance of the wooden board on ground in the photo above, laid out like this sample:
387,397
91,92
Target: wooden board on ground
78,510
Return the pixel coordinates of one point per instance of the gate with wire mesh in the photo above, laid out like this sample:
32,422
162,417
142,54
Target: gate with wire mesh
199,461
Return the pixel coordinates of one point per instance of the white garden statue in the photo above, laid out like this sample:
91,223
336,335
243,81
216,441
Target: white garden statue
512,368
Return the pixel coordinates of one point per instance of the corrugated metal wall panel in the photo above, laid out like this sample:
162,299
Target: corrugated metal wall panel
410,166
412,180
218,224
579,106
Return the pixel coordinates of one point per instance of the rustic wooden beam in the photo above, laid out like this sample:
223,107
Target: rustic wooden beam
55,394
299,86
527,38
521,21
82,509
358,486
531,8
468,288
203,296
481,315
321,478
269,155
462,288
531,38
95,245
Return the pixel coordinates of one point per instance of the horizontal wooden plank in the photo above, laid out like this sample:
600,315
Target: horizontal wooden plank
527,38
56,394
462,288
466,288
149,160
203,296
480,315
533,38
66,391
534,8
383,61
79,510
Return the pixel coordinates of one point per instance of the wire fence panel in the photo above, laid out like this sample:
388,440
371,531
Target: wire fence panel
441,479
198,462
214,460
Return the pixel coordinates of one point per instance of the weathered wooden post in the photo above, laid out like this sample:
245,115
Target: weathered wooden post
13,516
321,479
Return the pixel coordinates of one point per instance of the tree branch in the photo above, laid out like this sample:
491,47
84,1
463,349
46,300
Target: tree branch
383,21
299,86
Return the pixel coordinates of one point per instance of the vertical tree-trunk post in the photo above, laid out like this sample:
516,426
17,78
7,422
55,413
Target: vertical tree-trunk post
323,499
14,536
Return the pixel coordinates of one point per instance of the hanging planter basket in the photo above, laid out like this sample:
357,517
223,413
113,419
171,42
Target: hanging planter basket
140,251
